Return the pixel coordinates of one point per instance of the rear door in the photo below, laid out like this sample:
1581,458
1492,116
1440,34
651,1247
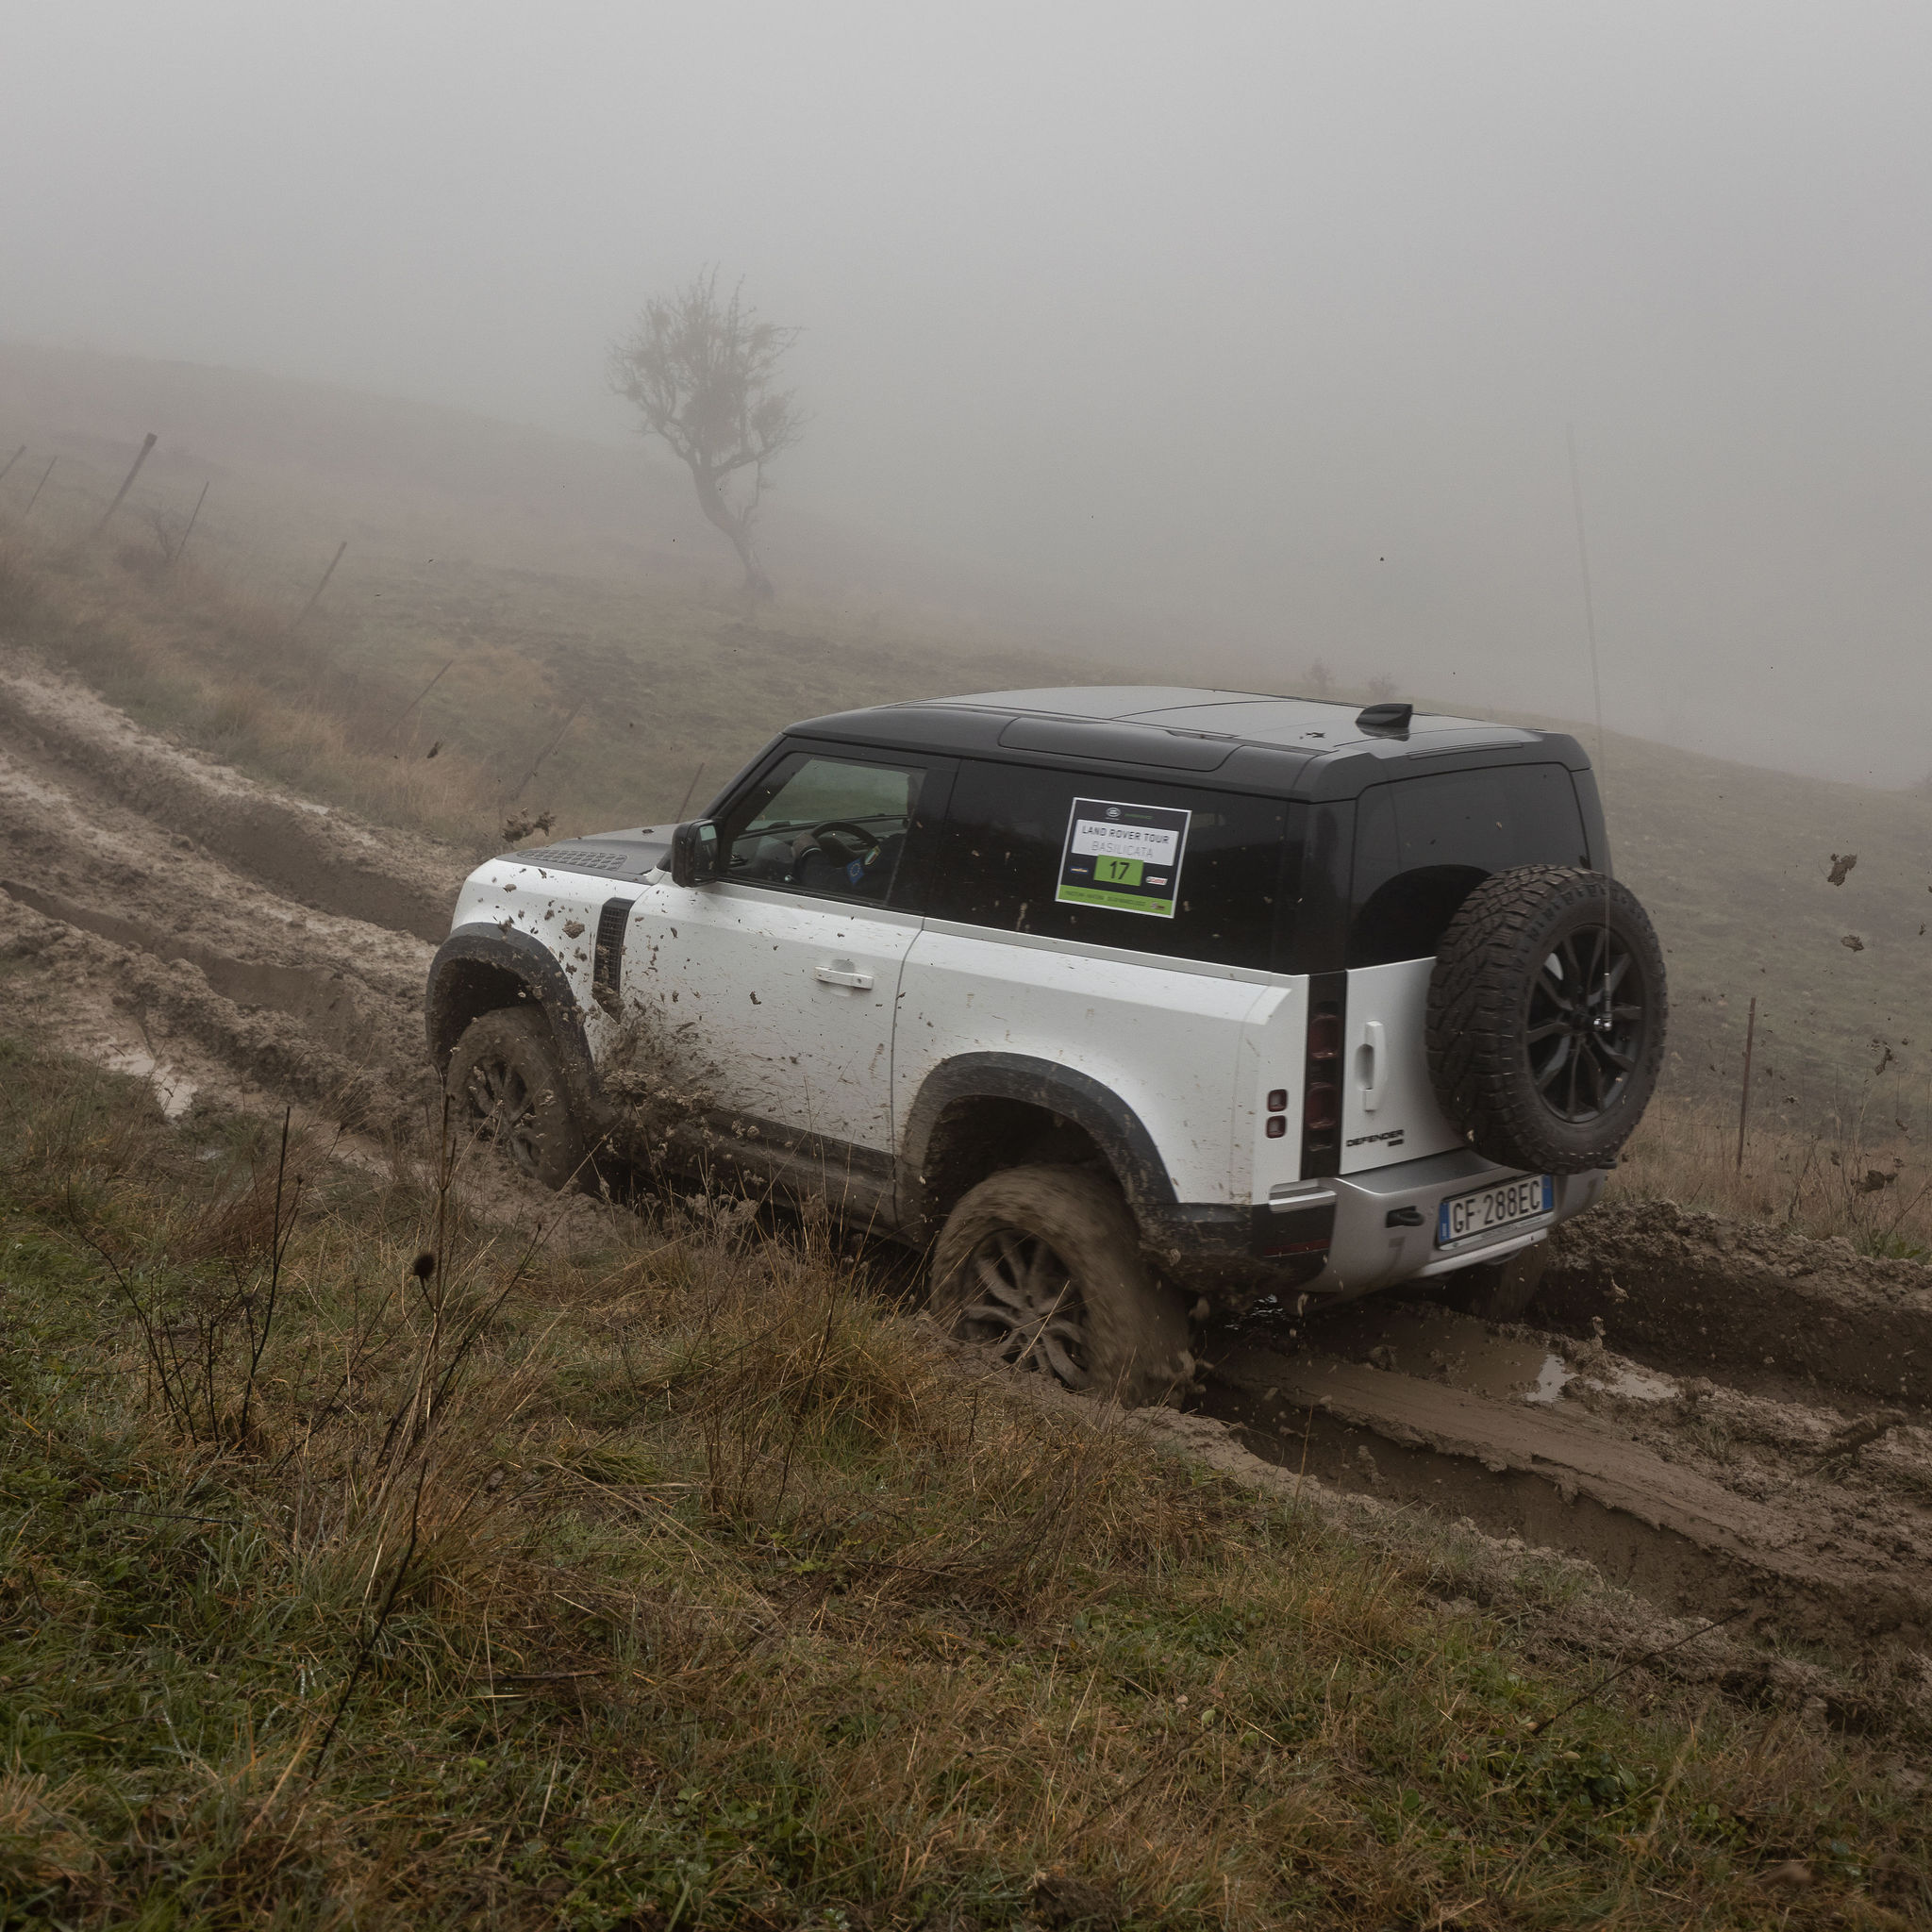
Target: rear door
1421,844
770,993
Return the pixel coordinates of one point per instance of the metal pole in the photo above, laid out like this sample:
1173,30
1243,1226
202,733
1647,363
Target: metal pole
545,753
690,789
323,585
1744,1102
11,460
38,488
152,440
189,530
418,699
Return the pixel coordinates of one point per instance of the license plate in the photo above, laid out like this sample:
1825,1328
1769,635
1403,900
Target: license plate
1487,1208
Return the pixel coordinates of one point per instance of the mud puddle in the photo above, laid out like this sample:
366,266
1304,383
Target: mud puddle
322,1001
1813,1522
173,1090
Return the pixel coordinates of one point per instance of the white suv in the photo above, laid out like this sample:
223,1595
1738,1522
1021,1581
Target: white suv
1132,1004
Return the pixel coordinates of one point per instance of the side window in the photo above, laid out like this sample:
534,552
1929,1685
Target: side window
1147,867
1422,845
830,826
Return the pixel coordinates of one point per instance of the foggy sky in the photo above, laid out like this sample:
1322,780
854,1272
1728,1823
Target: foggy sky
1263,324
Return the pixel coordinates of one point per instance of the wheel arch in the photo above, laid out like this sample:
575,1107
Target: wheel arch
479,969
972,1117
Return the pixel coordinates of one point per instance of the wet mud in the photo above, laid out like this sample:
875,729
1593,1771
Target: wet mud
126,933
311,854
1810,1520
1705,1295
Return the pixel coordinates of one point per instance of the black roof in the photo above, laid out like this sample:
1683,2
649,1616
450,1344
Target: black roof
1228,740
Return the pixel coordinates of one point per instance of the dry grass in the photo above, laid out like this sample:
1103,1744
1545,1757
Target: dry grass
445,700
679,1580
188,647
1865,1175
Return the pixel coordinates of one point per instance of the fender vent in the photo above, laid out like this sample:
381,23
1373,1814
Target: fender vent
607,973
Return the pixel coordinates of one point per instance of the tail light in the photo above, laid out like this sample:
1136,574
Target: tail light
1321,1089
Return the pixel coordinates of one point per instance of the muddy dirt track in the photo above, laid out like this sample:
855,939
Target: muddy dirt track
1726,1421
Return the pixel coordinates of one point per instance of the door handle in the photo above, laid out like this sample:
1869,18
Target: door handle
1374,1045
843,975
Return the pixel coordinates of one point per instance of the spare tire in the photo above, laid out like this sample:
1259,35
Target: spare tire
1546,1018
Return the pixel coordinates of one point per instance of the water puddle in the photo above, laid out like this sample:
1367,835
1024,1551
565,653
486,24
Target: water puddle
1551,1379
1440,1345
174,1091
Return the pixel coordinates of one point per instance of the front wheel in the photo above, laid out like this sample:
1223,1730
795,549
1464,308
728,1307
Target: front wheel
1043,1265
506,1083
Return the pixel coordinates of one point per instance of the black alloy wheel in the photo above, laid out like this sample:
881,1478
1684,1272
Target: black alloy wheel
1042,1267
499,1100
506,1082
1584,1026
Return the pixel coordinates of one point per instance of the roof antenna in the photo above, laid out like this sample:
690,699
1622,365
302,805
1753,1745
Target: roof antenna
1385,720
1597,678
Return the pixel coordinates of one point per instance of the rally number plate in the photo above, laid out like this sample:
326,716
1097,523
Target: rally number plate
1489,1209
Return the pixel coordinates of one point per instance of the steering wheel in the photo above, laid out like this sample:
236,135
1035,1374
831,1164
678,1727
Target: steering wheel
835,849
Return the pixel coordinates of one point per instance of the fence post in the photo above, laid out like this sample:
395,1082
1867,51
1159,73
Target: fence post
11,460
189,530
1744,1100
38,488
152,440
322,585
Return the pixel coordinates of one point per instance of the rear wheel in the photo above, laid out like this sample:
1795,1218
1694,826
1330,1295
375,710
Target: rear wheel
505,1085
1043,1266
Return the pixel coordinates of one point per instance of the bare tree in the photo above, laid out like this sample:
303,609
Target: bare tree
1319,679
701,372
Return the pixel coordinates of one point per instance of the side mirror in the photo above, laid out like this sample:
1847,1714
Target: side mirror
695,853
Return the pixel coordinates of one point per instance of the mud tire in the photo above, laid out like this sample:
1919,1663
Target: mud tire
505,1085
1123,1329
1504,1000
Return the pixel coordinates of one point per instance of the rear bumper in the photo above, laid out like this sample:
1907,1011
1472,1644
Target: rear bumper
1350,1236
1372,1247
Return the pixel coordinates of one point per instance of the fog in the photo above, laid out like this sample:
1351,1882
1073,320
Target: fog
1261,327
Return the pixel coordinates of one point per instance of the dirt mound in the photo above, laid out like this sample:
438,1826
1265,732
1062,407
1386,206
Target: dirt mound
1698,1292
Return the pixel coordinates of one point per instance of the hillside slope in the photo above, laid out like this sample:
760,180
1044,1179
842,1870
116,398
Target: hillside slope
527,625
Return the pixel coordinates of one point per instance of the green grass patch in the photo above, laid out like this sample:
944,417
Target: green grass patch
668,1583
